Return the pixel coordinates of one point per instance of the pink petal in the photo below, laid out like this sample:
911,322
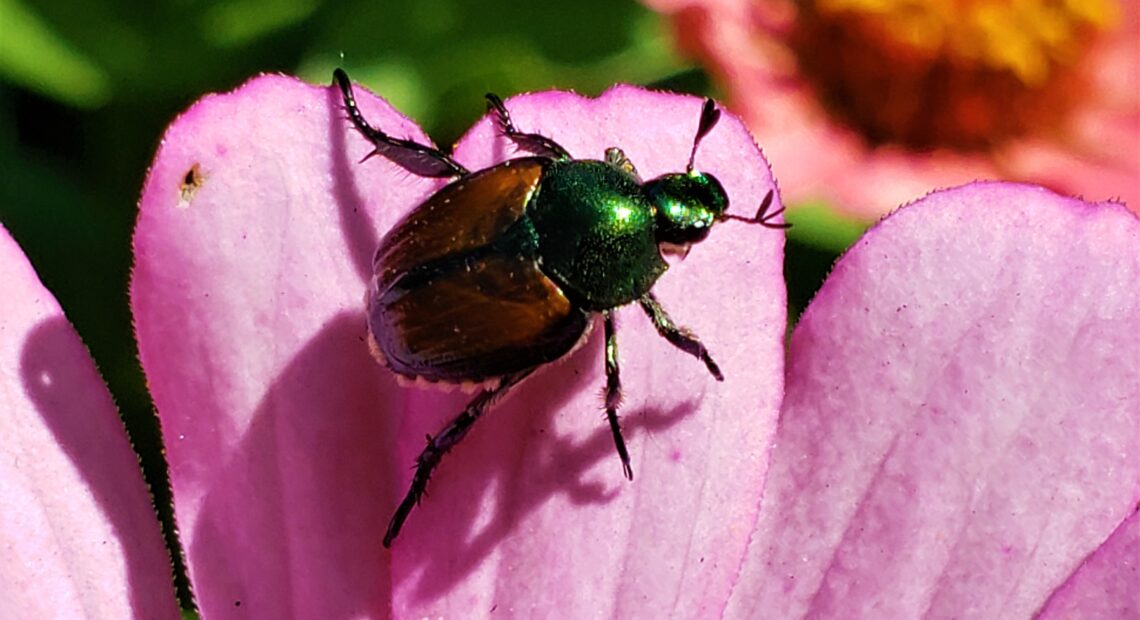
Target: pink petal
670,543
289,446
247,295
78,530
1105,584
962,422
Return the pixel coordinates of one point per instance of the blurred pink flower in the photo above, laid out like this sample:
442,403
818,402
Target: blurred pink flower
960,434
865,104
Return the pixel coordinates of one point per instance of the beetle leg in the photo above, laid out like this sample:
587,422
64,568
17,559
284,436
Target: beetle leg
613,393
616,157
414,157
679,337
437,446
535,143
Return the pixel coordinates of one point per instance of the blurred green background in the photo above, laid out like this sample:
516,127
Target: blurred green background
87,90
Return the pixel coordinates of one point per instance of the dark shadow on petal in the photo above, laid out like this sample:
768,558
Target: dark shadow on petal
359,230
299,510
561,471
318,473
514,451
49,375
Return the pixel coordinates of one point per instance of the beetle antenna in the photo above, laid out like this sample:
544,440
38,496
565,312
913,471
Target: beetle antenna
710,114
763,217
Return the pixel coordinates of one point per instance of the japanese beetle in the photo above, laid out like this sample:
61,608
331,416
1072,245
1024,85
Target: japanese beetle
503,270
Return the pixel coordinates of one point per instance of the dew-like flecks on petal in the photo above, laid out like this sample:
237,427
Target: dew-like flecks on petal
79,535
961,429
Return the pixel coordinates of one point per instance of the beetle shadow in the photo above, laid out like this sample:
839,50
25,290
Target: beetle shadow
49,376
307,483
302,504
561,469
515,462
357,227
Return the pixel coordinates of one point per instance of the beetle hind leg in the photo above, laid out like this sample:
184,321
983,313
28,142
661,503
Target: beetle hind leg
613,394
439,445
678,336
414,157
535,143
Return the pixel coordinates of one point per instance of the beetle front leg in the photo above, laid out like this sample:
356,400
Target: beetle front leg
679,337
535,143
437,446
613,394
412,156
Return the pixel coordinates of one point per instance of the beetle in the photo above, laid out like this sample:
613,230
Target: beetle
504,269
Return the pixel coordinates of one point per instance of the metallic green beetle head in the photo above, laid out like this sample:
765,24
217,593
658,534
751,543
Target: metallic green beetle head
688,204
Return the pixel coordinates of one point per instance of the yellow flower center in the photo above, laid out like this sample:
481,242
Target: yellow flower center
958,73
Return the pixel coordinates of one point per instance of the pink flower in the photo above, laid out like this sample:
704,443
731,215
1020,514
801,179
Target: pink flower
289,446
944,446
864,105
960,434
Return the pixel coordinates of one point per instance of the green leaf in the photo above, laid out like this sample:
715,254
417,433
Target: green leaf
36,56
817,225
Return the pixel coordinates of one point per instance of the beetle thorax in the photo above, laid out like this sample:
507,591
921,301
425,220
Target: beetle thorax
596,230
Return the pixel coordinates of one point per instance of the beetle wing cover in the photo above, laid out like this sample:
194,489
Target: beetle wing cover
489,316
467,214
